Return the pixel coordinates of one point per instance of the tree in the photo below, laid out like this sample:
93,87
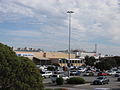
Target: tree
18,73
90,60
106,63
103,65
117,59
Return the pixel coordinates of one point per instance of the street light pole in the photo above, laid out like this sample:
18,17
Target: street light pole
69,12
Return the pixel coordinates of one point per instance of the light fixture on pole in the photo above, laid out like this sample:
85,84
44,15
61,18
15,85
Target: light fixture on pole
69,13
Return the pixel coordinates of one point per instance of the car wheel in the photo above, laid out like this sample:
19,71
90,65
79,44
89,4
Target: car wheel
53,81
102,83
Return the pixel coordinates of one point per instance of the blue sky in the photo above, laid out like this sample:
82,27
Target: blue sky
44,24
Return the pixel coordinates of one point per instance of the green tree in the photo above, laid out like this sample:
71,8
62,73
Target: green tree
117,59
18,73
103,65
90,60
106,63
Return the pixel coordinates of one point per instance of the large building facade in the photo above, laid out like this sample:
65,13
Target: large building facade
48,58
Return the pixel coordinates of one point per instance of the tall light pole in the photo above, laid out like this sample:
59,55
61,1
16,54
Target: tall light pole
69,13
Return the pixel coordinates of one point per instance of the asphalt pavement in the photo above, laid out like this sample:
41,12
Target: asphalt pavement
113,84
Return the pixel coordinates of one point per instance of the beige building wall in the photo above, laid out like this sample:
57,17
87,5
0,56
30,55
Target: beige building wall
48,57
58,55
42,55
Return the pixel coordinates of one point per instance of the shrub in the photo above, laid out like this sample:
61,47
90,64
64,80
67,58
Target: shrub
59,81
75,80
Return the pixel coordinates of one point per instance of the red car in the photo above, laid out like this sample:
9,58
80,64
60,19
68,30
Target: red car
103,74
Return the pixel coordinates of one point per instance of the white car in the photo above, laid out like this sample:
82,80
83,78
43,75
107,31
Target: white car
111,72
46,74
55,76
82,69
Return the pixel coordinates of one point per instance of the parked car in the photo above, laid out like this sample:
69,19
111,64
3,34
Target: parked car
110,72
103,74
46,74
118,79
55,76
101,80
88,73
117,74
74,72
82,69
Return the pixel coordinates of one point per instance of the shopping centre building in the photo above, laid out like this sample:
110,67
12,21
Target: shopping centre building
48,58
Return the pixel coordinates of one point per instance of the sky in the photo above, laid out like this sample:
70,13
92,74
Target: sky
44,24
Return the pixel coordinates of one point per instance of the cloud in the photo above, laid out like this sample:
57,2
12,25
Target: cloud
92,20
25,33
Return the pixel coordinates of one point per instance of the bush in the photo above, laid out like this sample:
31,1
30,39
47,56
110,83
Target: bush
59,81
76,80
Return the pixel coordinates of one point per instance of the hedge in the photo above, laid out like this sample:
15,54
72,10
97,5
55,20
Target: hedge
75,80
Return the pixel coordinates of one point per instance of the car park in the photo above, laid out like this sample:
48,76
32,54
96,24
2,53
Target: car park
101,80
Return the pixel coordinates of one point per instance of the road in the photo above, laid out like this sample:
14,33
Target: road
113,84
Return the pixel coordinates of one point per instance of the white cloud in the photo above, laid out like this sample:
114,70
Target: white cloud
92,19
25,33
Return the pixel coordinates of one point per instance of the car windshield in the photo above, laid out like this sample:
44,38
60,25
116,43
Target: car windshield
117,72
100,78
48,72
54,76
109,71
72,71
42,72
